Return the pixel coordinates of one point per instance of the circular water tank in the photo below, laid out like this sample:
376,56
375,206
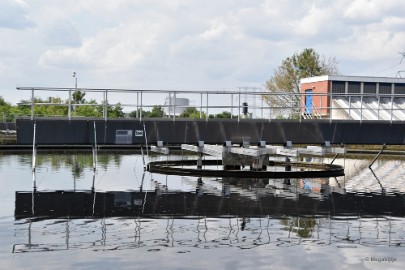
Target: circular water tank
179,104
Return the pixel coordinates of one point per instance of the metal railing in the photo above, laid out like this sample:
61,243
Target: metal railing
241,103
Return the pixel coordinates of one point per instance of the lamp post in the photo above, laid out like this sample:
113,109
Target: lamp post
74,106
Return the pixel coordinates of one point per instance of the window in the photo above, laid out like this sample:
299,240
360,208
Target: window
353,88
370,88
338,87
400,88
385,88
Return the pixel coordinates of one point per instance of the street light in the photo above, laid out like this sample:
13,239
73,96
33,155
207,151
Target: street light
74,76
74,106
70,96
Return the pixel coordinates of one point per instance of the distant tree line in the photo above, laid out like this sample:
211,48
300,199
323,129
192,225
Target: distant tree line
80,107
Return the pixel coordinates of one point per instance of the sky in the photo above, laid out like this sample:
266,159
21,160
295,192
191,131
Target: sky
189,45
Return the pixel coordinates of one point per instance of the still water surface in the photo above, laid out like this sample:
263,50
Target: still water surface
120,217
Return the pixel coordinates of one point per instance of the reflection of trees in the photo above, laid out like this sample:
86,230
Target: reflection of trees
76,162
302,226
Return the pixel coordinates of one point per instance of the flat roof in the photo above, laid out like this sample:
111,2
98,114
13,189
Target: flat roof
352,79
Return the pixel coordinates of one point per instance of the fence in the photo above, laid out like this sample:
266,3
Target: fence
242,103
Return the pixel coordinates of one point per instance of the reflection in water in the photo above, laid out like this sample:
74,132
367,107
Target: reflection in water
243,218
204,232
191,215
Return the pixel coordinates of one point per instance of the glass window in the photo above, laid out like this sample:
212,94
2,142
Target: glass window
370,88
353,88
400,88
385,88
338,87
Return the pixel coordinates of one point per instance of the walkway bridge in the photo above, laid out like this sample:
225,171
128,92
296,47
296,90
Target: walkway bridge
256,115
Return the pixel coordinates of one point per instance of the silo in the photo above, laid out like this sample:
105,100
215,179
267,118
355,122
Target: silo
176,105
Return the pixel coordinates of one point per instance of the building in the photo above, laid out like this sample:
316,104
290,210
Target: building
353,97
175,105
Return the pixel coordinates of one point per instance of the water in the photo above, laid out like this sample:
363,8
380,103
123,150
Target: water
137,220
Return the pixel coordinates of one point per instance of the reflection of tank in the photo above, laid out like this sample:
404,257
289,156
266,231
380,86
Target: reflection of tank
176,105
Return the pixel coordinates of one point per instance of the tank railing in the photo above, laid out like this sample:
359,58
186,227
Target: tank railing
282,105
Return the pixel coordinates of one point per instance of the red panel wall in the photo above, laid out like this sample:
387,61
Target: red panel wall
321,102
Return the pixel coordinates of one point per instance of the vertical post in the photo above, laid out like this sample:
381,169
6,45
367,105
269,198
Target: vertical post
361,108
32,104
170,104
70,104
140,111
261,109
330,105
378,108
137,105
106,105
231,106
33,147
74,75
34,157
201,104
392,107
174,106
95,147
146,141
239,106
206,116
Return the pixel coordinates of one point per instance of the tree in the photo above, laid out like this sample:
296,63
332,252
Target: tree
191,112
78,97
284,85
224,114
157,112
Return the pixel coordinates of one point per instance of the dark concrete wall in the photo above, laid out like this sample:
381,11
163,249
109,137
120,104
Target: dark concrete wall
81,131
7,125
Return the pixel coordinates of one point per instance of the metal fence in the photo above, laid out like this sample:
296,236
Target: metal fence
252,103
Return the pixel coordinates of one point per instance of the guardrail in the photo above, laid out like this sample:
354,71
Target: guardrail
242,103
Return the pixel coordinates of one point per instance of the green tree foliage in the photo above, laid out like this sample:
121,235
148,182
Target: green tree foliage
224,114
137,113
89,109
6,110
78,97
157,112
112,111
192,112
286,78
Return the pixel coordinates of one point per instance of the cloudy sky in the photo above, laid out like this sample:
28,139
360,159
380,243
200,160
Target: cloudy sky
189,44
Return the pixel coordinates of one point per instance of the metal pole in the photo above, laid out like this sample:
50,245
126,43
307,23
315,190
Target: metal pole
361,108
34,157
174,106
392,107
206,116
74,75
170,104
106,105
95,147
140,111
261,109
231,106
201,103
32,104
239,106
137,105
378,155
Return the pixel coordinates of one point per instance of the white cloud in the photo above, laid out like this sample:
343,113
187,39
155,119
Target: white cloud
116,49
179,43
13,14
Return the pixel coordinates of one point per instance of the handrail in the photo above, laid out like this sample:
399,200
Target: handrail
262,104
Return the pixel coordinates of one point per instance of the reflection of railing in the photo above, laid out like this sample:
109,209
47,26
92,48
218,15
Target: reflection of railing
260,104
201,232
